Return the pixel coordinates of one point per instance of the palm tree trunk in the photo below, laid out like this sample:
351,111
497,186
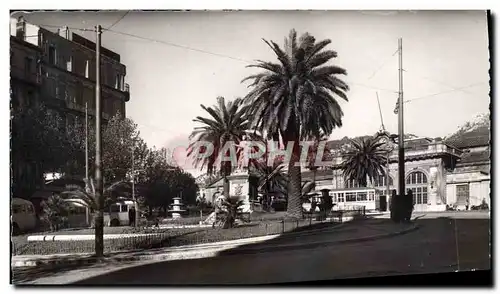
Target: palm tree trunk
226,186
314,178
294,206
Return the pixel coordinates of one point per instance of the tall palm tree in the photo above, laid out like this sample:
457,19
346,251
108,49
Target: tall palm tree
364,160
227,123
296,98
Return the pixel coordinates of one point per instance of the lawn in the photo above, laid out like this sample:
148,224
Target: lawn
265,224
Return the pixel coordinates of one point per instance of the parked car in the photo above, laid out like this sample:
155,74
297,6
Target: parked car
23,216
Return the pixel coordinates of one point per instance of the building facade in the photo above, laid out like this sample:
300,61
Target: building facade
25,86
438,173
58,69
67,68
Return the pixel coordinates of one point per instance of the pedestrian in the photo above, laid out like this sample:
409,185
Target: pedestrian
130,216
408,205
467,204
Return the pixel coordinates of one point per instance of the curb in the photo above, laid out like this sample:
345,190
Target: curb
200,252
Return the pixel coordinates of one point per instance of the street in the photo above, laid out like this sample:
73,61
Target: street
432,248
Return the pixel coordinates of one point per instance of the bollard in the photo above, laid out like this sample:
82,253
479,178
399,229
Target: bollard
266,229
283,227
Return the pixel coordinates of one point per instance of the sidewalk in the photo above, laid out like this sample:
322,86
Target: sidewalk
366,230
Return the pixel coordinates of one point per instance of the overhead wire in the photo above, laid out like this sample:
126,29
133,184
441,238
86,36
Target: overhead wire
382,65
250,62
443,92
438,82
117,21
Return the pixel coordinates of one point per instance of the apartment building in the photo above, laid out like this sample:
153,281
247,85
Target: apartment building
67,68
57,68
25,85
25,82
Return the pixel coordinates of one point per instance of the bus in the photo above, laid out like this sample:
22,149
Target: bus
118,213
23,216
355,197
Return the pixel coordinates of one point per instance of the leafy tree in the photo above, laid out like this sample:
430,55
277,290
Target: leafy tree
160,181
296,98
364,160
227,123
120,137
38,144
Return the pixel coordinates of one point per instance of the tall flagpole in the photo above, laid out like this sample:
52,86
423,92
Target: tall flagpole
86,143
401,159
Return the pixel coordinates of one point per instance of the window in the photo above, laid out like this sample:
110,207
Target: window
340,197
371,196
28,64
419,195
60,91
29,209
361,196
52,54
462,193
381,182
334,197
29,98
350,196
16,209
70,94
124,208
69,64
351,184
417,182
87,69
114,208
118,82
416,178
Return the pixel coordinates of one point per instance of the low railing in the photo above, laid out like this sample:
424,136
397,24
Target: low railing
128,238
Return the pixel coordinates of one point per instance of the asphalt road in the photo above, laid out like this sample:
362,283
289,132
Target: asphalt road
440,245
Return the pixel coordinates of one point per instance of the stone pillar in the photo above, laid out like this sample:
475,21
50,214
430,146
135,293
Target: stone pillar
239,186
433,185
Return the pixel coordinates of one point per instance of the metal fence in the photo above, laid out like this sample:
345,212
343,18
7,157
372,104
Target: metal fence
160,238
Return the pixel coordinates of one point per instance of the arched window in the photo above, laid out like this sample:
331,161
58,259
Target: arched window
351,184
417,182
381,182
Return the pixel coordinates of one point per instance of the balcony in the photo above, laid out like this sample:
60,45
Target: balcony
431,150
26,76
127,92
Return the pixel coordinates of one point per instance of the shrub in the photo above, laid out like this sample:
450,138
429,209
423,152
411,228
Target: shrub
55,212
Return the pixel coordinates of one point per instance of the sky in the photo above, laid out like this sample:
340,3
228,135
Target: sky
184,59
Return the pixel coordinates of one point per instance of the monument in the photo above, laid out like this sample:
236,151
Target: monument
176,208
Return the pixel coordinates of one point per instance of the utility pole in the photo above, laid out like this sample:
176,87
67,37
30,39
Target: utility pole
401,143
99,224
133,189
86,143
87,184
